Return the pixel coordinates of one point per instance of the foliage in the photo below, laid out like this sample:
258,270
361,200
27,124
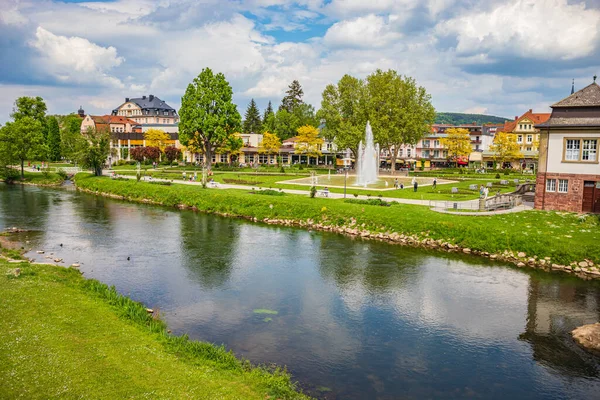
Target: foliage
23,140
313,192
458,143
370,202
505,147
252,122
305,114
70,135
460,119
400,111
62,173
309,143
151,153
137,153
53,140
33,107
267,114
94,150
85,332
208,114
343,109
157,138
293,97
172,153
270,144
286,124
269,192
233,146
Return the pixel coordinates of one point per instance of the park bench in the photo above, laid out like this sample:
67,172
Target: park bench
473,187
323,193
212,184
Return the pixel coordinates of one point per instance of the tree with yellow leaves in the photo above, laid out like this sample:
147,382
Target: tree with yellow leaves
308,142
157,138
270,144
505,148
458,143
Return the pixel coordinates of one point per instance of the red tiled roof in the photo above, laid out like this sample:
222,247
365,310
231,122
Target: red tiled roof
536,118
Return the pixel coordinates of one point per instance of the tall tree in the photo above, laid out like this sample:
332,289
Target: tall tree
458,143
400,111
157,138
233,146
343,107
252,122
269,145
23,139
172,153
268,111
305,114
207,115
286,124
53,140
309,143
505,148
70,135
33,107
293,97
94,149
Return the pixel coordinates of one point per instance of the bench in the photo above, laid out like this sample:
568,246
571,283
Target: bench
489,184
212,184
473,187
323,193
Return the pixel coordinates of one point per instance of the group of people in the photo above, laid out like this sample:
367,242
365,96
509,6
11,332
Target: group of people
483,192
414,183
192,178
37,167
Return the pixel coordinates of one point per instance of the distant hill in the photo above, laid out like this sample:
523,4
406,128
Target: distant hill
459,118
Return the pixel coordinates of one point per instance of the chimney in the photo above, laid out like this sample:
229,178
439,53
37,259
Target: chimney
151,97
531,110
126,99
516,117
144,97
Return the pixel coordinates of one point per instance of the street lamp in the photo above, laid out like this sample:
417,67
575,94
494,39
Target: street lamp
345,178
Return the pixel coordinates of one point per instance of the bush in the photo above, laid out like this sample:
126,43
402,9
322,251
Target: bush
282,170
164,183
270,192
370,202
506,172
497,176
301,167
313,191
62,173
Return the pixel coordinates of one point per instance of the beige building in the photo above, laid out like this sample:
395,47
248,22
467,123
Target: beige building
148,110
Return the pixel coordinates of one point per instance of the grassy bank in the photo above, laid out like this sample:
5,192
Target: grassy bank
63,336
38,178
564,237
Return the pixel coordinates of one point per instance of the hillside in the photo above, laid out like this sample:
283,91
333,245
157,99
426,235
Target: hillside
459,118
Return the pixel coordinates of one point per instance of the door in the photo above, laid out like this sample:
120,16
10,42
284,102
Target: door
589,188
597,198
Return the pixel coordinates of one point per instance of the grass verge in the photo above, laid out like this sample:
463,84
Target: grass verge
63,336
564,237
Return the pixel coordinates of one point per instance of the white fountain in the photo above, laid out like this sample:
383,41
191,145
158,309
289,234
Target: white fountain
367,168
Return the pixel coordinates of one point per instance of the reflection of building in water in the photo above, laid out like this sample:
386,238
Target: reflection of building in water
554,309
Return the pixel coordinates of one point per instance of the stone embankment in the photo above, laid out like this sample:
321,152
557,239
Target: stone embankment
588,337
584,269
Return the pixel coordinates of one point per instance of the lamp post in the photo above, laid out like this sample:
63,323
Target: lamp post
345,178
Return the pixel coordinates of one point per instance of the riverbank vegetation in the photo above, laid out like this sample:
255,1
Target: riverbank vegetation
563,237
63,336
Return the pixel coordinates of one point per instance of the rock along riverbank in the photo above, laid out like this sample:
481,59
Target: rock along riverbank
584,269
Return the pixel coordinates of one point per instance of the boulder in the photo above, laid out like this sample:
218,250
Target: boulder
74,265
521,265
583,264
521,254
588,337
466,250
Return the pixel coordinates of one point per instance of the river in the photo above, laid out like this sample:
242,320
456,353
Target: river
351,319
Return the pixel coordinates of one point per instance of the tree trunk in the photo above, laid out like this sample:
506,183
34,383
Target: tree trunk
208,154
393,156
22,169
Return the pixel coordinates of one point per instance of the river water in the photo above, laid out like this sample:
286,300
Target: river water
350,319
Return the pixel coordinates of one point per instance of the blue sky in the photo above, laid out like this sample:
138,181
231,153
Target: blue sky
500,57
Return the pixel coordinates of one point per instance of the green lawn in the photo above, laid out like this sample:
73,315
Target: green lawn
39,178
565,237
63,336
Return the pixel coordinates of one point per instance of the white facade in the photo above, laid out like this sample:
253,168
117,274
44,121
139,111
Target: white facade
558,160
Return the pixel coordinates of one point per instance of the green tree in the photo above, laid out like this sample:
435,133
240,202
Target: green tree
70,135
400,111
286,124
293,97
53,141
252,122
33,107
305,114
93,150
458,143
172,153
23,139
270,144
309,143
268,111
207,115
343,107
233,146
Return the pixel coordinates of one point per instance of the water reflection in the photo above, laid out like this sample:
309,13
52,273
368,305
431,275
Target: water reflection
354,319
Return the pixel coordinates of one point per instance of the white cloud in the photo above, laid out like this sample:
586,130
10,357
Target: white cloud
368,31
75,59
543,29
10,15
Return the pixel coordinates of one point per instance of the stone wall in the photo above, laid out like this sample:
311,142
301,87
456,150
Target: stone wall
570,201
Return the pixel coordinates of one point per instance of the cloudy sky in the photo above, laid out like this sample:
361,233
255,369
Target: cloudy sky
499,57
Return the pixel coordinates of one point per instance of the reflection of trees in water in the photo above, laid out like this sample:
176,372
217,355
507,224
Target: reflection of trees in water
24,206
554,309
208,245
93,209
378,267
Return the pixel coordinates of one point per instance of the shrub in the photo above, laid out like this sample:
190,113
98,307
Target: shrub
497,176
282,170
301,167
355,195
313,191
370,202
506,172
62,173
270,192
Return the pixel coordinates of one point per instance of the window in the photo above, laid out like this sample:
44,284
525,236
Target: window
520,127
589,150
437,143
425,143
400,152
436,154
563,186
407,152
520,139
146,120
166,113
425,153
572,147
529,148
529,138
551,185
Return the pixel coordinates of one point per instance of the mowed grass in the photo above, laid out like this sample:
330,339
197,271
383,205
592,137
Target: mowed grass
275,181
63,336
565,237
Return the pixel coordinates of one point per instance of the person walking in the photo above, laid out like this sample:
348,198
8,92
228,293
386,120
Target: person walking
416,185
434,183
396,183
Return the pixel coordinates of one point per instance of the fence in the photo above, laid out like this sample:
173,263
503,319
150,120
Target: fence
498,202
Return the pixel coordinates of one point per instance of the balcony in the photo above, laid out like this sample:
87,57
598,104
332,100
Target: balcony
475,141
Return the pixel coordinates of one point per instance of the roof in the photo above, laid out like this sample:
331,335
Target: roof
145,102
536,118
589,96
112,119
